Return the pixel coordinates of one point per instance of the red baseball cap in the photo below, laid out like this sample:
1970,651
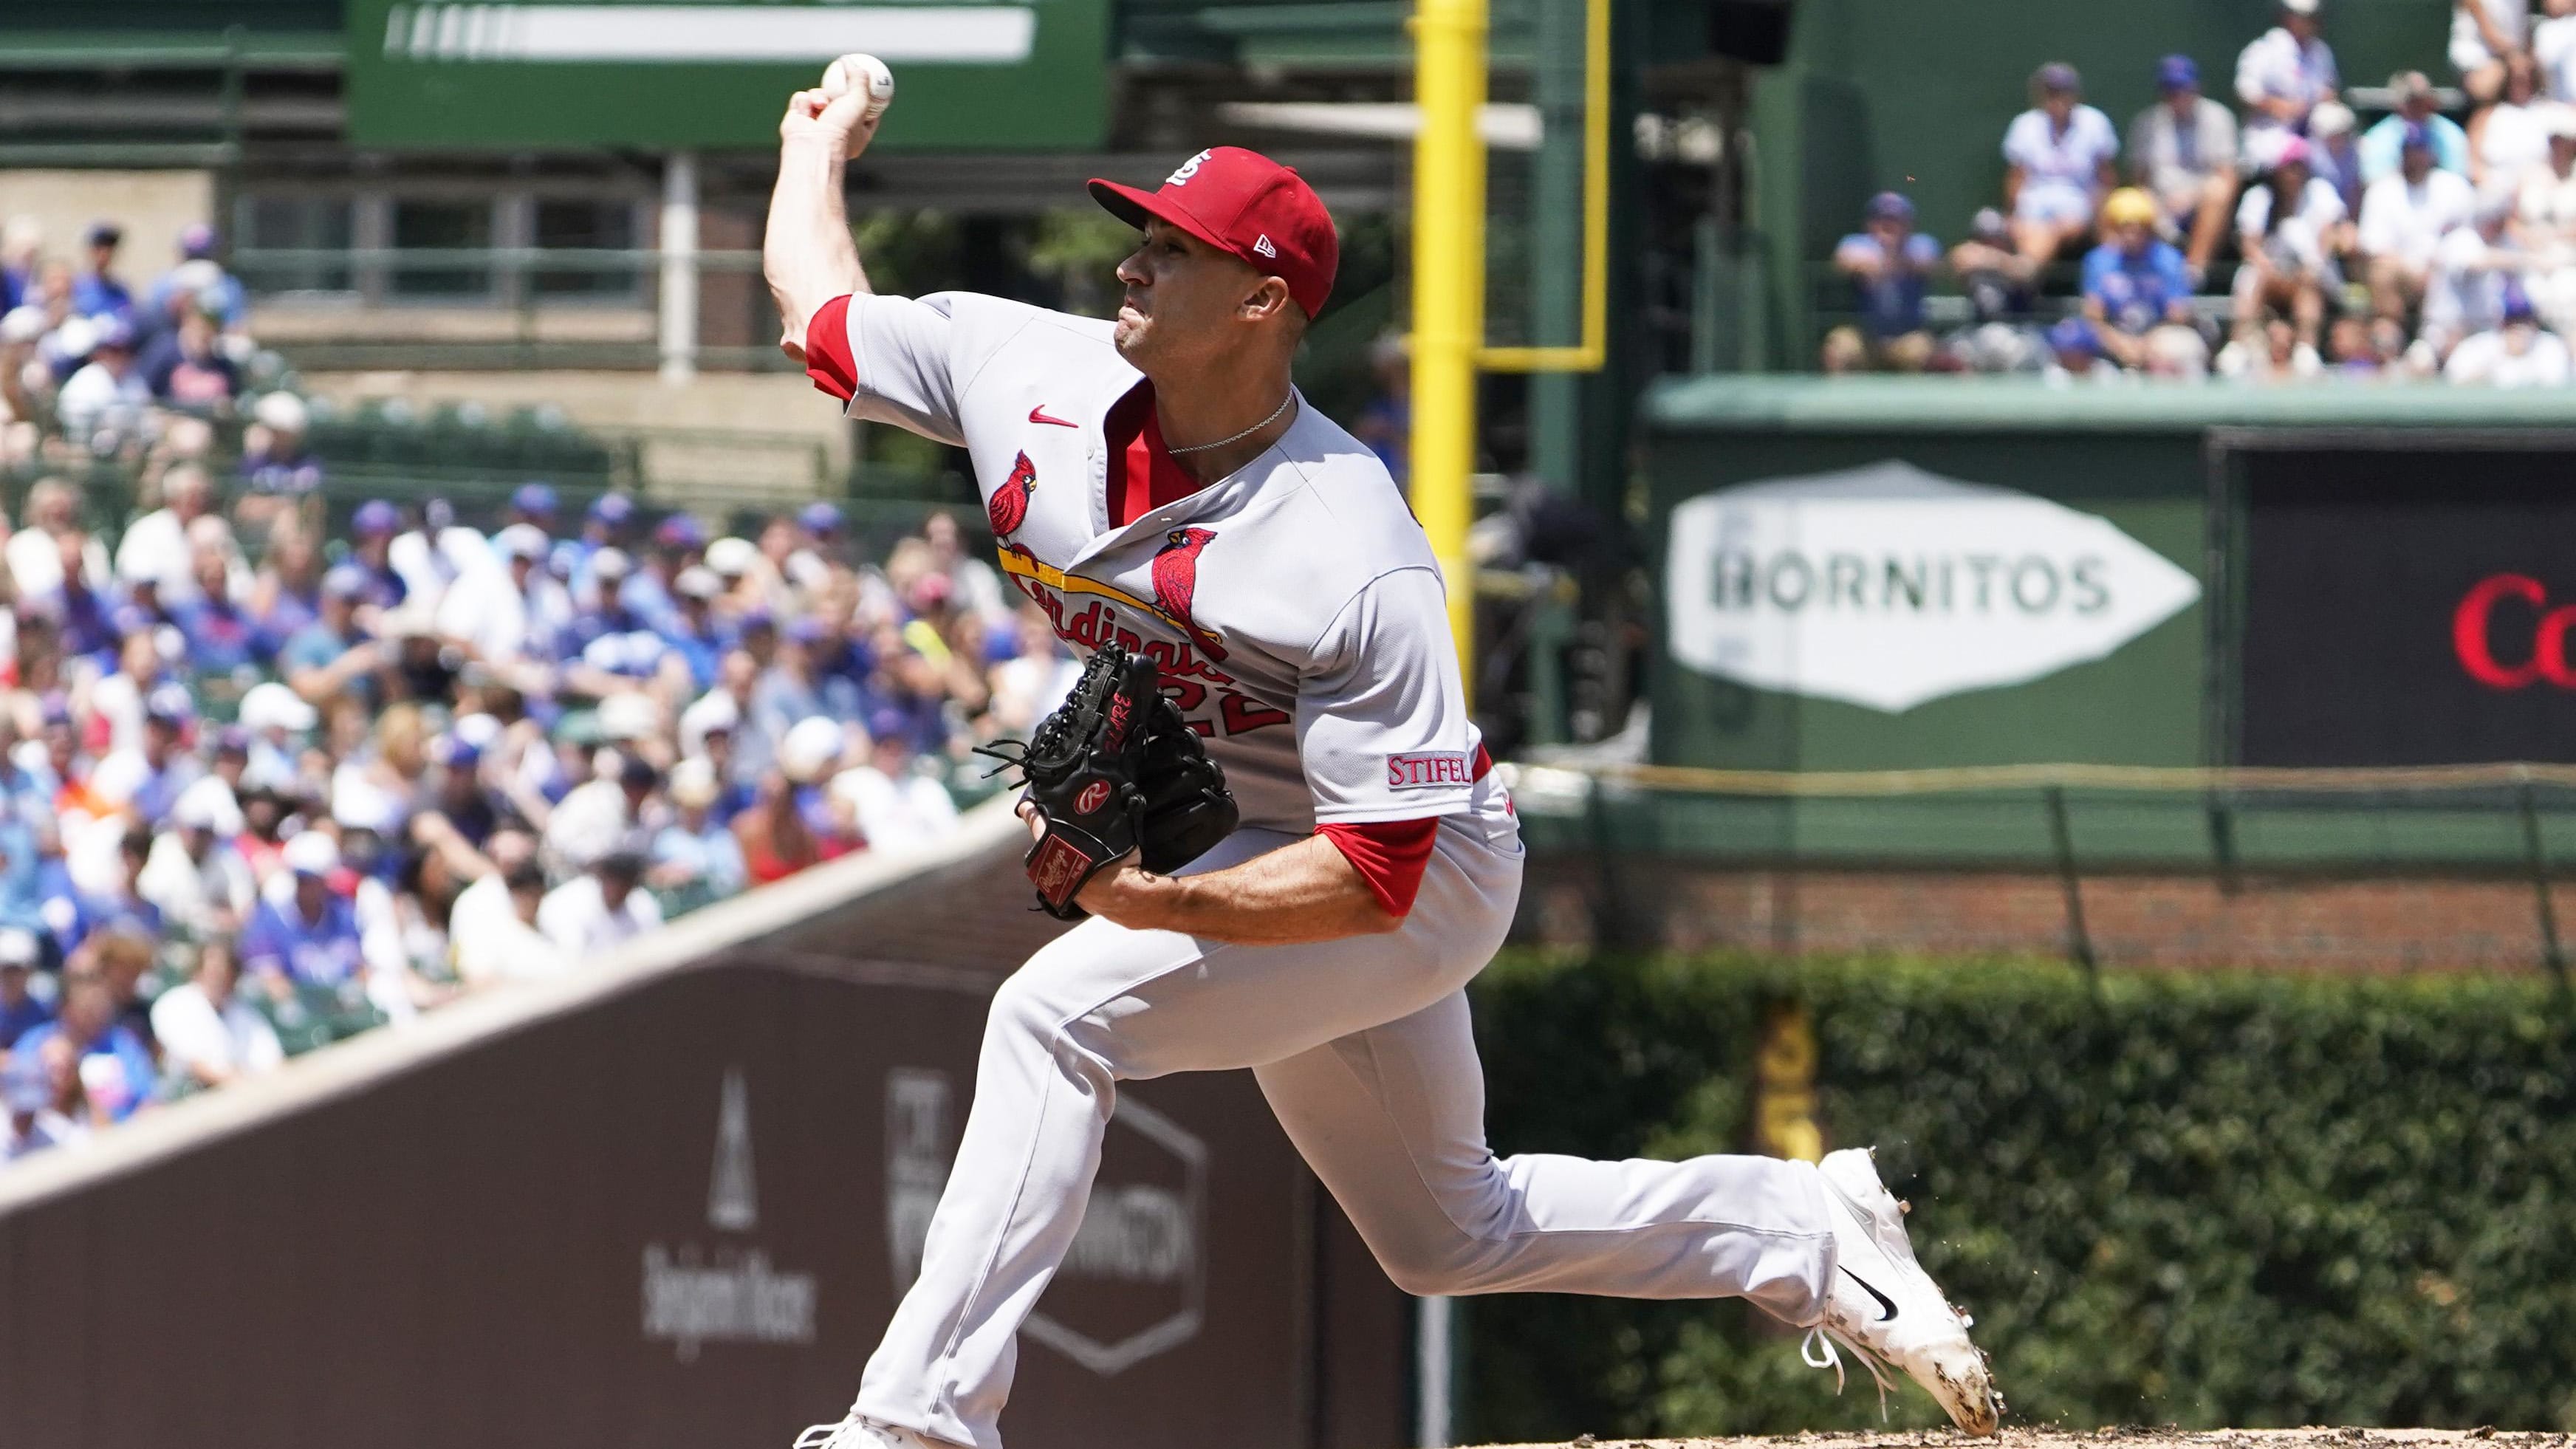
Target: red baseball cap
1247,205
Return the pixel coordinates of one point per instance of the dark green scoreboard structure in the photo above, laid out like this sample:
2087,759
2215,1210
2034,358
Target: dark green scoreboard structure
1892,573
692,74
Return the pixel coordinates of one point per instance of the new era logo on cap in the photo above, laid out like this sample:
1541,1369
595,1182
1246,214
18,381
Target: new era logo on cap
1243,203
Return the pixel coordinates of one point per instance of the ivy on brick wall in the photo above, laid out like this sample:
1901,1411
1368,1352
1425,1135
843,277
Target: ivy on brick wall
2224,1199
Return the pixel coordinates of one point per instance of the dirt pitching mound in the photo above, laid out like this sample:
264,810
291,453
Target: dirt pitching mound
2123,1438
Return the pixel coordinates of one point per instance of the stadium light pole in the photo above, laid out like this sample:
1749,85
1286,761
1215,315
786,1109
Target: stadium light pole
1448,339
679,248
1448,328
1448,292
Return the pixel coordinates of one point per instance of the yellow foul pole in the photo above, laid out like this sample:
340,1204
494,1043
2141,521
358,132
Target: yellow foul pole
1448,291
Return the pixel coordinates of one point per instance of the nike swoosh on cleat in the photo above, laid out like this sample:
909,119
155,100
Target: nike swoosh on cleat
1038,415
1883,1300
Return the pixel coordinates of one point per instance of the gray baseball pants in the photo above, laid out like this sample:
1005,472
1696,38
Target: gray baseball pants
1364,1050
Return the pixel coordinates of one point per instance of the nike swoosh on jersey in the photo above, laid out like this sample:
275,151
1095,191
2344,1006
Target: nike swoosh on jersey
1884,1301
1038,415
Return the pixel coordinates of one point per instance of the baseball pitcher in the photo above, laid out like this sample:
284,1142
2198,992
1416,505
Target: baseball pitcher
1158,487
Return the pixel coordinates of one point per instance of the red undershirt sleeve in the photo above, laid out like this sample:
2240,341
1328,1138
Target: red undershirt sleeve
1389,854
827,350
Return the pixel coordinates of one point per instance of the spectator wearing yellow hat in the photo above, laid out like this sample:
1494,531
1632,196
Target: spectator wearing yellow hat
2137,292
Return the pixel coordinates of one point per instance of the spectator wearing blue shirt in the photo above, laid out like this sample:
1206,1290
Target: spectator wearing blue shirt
97,292
26,791
695,856
185,367
610,519
2383,146
822,524
616,647
677,542
2334,152
835,654
533,504
904,702
372,529
1385,422
82,609
222,636
119,910
2075,351
22,245
544,608
333,653
2137,292
214,291
790,690
63,763
693,631
1890,265
146,778
21,1011
22,886
89,1022
311,937
461,798
278,464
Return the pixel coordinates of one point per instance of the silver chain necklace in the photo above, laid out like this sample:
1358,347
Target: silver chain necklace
1239,437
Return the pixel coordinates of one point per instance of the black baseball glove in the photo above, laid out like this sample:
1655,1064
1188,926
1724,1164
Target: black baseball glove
1116,769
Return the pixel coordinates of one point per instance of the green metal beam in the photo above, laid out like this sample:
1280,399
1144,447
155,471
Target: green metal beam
319,52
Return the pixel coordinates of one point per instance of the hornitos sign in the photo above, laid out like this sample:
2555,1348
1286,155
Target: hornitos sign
730,1294
1887,586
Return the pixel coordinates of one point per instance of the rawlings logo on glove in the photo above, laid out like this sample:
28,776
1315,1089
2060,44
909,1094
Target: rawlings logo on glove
1107,788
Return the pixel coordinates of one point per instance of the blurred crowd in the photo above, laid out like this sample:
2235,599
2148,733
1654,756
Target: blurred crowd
270,774
93,364
2281,239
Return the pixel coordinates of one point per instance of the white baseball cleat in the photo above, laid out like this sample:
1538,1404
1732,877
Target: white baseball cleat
853,1432
1886,1309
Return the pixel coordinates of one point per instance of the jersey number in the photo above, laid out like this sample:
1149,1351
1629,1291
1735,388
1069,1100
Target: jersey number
1242,716
1239,715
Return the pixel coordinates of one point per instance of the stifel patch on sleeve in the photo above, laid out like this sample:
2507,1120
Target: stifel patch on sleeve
1429,768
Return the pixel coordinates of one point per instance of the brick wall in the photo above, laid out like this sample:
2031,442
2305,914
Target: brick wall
2393,924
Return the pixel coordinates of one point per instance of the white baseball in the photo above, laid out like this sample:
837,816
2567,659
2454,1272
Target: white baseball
844,75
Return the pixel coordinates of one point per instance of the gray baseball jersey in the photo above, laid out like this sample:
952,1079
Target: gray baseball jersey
1294,607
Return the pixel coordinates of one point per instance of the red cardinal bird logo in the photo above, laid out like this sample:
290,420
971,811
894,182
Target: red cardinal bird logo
1009,506
1176,579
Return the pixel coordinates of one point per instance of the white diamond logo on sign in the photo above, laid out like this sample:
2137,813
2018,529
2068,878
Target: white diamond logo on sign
1887,586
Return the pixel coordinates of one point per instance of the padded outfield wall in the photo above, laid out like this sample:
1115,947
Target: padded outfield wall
670,1201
